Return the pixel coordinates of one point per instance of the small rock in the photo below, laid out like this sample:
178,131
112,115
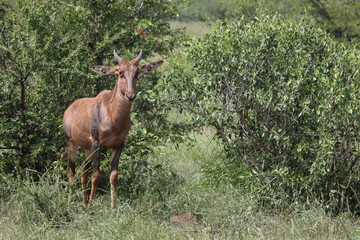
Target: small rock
185,219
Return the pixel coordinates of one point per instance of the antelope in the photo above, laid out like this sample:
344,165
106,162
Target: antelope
102,122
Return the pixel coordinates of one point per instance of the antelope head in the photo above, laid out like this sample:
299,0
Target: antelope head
127,72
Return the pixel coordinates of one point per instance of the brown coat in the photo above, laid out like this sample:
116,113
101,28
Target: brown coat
103,122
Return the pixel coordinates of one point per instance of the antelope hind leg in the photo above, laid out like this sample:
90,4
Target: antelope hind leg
72,159
84,175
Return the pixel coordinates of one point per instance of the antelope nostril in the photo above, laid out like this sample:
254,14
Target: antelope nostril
131,97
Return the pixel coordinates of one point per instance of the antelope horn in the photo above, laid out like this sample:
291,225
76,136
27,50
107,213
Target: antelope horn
118,59
138,58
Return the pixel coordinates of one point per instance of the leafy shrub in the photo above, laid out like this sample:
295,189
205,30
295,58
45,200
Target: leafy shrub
284,98
46,48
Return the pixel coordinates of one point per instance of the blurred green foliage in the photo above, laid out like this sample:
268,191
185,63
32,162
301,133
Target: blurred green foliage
340,18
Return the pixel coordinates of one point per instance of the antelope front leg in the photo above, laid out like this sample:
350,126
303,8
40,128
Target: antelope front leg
114,172
96,173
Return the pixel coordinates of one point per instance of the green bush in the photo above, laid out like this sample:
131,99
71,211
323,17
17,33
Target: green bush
284,98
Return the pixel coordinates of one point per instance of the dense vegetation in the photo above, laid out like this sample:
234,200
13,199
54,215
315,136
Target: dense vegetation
284,99
254,126
46,48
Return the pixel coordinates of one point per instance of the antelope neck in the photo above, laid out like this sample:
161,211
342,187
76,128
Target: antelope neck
119,99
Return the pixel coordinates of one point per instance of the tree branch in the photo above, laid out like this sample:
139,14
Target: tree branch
9,148
321,8
262,189
139,11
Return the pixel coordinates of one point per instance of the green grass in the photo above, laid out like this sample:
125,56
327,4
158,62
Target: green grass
39,210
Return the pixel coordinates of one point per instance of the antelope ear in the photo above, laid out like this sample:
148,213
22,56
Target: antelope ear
102,69
150,66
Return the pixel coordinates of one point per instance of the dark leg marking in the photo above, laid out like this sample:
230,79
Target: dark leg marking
115,158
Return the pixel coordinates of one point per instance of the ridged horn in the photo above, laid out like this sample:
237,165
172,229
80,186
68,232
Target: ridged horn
138,58
118,59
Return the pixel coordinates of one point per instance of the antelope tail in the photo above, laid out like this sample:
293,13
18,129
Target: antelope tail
64,155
